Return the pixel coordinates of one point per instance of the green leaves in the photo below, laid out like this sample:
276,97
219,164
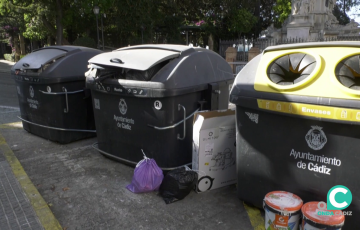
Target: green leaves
282,10
241,21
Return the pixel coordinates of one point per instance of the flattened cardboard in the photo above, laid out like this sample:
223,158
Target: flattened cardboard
214,150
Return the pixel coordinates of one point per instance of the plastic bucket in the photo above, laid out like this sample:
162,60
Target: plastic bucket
315,218
282,210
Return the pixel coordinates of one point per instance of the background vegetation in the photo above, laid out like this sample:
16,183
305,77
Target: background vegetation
29,24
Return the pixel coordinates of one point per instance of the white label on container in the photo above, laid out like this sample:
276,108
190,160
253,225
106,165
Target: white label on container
123,106
253,117
97,103
157,105
31,91
318,164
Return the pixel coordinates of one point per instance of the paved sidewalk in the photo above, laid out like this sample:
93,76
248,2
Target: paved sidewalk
21,205
16,211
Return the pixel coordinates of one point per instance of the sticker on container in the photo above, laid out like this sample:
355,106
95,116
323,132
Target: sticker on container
316,138
48,88
282,210
31,91
97,103
253,117
123,107
157,105
281,221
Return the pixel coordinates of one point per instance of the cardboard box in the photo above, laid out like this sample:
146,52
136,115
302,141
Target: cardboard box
214,149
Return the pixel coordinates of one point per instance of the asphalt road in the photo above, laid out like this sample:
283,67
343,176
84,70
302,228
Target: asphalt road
9,104
8,95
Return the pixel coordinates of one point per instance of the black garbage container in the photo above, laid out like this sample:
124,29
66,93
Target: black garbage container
145,96
298,123
54,103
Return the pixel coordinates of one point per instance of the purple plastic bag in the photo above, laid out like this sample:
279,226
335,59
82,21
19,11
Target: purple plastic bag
147,176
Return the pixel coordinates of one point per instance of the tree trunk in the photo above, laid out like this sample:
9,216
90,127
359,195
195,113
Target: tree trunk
50,41
22,44
17,49
35,45
59,26
52,30
211,42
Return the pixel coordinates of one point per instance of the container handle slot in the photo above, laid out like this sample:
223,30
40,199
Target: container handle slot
184,121
177,124
133,163
116,60
66,110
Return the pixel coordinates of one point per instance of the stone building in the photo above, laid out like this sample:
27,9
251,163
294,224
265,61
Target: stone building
313,20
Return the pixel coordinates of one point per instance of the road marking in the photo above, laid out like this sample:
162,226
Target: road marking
9,112
14,125
9,107
257,221
46,217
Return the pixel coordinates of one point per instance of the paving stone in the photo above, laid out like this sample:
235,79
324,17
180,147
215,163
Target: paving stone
15,210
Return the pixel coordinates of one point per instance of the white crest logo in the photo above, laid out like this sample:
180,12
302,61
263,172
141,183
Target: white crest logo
253,117
31,90
122,106
316,138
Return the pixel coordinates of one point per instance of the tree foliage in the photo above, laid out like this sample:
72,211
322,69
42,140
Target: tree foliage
145,21
282,10
241,21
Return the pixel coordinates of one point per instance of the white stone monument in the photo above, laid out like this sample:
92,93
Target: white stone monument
312,20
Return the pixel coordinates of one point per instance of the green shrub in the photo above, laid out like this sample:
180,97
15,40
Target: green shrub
85,41
9,57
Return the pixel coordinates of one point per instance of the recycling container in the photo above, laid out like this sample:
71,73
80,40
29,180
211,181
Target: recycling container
298,123
145,96
54,103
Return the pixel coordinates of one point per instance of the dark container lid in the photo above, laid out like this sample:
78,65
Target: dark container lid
185,67
55,63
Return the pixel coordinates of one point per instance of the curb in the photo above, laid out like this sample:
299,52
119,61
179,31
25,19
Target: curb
42,210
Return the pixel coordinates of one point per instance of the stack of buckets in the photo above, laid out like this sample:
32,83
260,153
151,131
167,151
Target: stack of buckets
283,211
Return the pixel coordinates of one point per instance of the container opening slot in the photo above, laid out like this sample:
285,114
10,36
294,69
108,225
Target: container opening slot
348,72
46,65
129,74
291,69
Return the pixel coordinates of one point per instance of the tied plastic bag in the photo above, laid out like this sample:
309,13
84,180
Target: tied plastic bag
177,184
147,176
